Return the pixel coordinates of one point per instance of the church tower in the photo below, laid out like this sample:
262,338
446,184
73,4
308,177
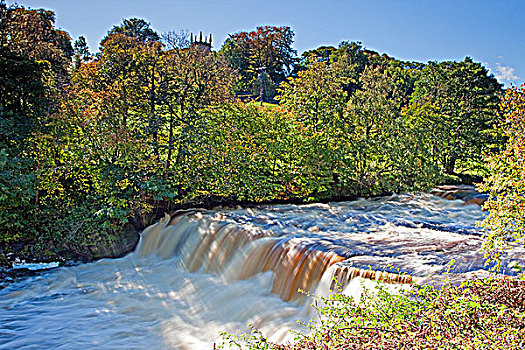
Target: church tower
200,44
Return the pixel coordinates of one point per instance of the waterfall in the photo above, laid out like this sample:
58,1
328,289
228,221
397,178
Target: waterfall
206,243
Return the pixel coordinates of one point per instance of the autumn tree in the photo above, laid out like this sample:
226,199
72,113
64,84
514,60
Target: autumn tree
268,50
34,63
35,56
136,108
113,109
505,223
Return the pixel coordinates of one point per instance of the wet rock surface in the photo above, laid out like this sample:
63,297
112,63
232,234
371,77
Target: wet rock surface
466,193
124,242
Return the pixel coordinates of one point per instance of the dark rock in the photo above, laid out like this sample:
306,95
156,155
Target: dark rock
122,243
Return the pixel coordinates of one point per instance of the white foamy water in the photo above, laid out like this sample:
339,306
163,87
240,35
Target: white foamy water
203,272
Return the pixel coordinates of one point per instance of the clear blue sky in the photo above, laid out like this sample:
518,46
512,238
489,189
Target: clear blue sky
489,31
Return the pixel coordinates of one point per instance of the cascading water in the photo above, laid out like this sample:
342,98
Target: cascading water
201,272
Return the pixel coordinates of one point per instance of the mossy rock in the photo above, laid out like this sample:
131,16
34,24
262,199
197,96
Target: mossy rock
117,244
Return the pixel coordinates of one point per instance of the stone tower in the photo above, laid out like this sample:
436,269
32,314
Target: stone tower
200,44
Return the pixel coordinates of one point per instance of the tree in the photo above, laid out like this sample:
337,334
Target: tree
316,94
34,62
322,53
34,74
134,113
31,33
35,57
130,59
456,105
349,61
136,28
176,40
191,81
505,223
380,151
112,113
82,53
268,48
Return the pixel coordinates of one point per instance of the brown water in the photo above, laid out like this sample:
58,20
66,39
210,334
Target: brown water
202,272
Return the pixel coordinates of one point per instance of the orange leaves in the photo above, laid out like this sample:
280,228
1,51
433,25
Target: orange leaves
506,183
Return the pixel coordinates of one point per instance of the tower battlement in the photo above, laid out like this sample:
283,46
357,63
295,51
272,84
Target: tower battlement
200,44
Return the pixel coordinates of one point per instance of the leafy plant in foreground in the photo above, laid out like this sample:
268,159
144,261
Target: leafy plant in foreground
478,314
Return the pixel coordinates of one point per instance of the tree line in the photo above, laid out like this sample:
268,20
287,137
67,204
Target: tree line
94,143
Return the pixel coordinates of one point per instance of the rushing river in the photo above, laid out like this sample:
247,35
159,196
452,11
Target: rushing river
202,272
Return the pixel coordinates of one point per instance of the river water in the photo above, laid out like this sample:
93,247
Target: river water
202,272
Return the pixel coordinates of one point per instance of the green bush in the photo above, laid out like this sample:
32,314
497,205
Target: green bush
478,314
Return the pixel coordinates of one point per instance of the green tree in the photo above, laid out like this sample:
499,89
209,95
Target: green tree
349,61
191,81
253,153
455,104
316,95
382,152
82,53
322,53
136,28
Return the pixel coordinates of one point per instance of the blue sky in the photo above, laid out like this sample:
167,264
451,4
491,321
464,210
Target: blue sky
489,31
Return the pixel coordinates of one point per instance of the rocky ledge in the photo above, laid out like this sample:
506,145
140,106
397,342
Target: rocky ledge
466,193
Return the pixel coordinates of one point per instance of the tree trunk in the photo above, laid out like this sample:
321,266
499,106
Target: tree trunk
170,146
450,164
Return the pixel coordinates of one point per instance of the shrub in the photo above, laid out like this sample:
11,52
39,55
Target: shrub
478,314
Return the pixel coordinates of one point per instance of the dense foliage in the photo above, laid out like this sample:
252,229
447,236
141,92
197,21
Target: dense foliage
478,314
506,185
264,55
98,145
457,102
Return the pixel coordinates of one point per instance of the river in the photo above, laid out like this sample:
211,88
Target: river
202,272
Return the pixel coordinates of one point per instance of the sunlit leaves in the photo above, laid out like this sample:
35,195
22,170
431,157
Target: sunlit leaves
455,104
506,182
316,95
267,47
479,314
